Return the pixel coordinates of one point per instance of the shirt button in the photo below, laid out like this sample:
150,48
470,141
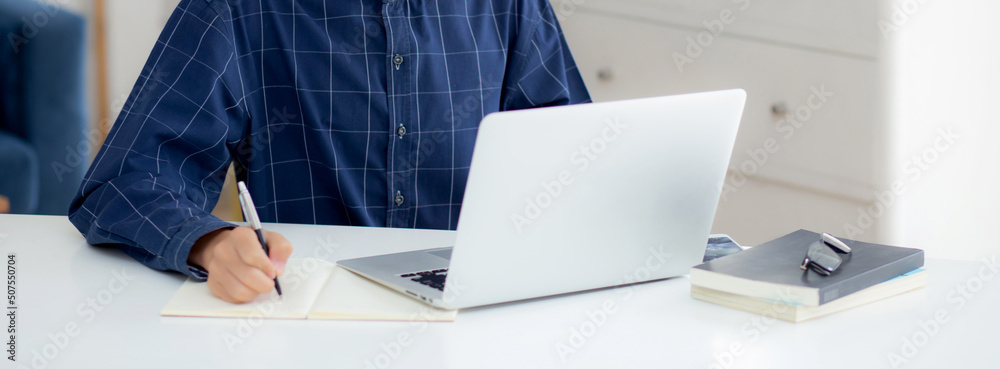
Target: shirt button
398,59
399,198
401,131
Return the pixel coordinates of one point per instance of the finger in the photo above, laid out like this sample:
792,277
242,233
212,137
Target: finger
239,292
281,250
250,252
253,278
225,287
218,289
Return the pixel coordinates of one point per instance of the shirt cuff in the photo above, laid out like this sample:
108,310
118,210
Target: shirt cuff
183,240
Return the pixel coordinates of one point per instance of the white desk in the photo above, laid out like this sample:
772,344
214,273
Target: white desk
655,325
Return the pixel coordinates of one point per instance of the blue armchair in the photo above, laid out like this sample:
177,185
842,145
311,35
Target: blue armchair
43,120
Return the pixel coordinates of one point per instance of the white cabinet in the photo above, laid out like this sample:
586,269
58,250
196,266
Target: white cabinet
849,27
811,166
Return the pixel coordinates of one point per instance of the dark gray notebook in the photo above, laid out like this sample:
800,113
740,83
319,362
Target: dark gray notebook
777,262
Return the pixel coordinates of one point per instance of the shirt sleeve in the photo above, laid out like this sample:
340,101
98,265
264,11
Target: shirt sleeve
160,171
542,70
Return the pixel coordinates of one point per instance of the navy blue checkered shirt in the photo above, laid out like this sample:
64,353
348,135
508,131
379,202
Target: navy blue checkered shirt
334,111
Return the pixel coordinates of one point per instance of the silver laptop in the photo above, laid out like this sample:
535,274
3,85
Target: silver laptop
580,197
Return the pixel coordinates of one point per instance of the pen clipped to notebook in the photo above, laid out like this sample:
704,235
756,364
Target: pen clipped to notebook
250,213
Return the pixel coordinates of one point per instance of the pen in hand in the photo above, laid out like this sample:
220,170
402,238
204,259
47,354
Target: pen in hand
250,213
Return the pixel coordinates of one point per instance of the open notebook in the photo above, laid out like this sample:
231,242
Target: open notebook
313,289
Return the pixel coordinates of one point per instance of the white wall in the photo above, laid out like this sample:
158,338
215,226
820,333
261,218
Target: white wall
77,6
132,29
943,59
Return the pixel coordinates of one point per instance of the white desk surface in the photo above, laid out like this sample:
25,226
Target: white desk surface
654,325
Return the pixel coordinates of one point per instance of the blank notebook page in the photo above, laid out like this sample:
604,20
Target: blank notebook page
349,296
313,289
300,284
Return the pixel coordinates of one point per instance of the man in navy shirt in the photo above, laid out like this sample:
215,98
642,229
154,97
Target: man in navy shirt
333,111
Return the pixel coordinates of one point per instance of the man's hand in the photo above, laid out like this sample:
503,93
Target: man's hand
4,204
238,269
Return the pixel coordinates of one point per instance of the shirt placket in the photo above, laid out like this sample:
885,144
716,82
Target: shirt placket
401,190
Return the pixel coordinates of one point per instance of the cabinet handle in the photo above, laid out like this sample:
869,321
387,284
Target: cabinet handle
605,74
779,109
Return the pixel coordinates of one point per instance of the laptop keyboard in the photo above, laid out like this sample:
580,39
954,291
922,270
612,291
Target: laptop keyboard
430,278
